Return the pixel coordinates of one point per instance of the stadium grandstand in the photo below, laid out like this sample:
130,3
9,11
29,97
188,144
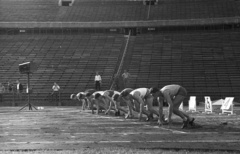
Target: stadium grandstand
194,43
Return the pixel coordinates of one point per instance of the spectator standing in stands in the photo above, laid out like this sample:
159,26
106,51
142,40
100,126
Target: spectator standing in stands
19,90
10,87
98,81
125,76
55,92
2,90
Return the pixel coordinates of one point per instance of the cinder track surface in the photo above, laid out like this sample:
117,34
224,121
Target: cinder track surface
66,128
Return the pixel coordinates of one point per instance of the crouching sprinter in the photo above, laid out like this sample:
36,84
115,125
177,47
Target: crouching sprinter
174,95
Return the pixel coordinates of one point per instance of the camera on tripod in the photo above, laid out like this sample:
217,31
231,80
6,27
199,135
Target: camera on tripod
25,68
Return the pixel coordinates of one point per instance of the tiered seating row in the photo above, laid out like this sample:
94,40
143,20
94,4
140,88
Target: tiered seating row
206,63
71,61
85,11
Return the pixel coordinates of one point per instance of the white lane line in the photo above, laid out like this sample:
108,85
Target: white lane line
126,141
171,130
164,141
91,123
72,134
108,127
124,133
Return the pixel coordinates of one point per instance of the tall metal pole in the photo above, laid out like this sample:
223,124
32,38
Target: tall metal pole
28,91
149,9
25,69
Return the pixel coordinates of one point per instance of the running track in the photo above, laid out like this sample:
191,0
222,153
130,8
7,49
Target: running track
65,128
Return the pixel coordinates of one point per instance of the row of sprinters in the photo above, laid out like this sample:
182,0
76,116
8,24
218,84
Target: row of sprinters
138,100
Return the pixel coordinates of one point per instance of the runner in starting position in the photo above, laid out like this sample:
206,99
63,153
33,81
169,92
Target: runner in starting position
174,95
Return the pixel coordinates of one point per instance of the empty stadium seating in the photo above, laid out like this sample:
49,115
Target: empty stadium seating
205,62
71,61
115,10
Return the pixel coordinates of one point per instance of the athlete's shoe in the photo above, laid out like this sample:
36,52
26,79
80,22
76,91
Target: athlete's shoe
127,116
150,117
117,113
185,124
192,122
164,119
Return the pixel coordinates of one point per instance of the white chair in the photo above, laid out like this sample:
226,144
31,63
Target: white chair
192,104
208,104
227,106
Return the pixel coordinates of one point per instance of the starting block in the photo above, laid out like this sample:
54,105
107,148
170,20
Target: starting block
208,105
192,106
227,106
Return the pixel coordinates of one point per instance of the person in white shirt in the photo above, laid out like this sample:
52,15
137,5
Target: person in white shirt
55,92
19,90
98,81
125,76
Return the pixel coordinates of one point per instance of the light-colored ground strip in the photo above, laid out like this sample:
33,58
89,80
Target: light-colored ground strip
158,141
90,133
171,130
126,133
89,124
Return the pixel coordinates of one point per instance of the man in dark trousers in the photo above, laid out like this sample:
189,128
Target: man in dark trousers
98,81
19,90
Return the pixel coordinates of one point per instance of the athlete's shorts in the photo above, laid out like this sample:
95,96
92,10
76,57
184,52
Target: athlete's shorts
182,91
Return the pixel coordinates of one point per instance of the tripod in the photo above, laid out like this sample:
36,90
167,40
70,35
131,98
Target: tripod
28,91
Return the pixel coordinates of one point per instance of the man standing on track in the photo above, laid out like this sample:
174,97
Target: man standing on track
126,77
98,81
